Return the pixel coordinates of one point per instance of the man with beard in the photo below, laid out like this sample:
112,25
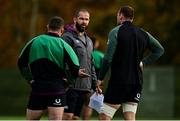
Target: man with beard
79,93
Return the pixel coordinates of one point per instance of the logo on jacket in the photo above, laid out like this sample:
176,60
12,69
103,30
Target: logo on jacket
77,40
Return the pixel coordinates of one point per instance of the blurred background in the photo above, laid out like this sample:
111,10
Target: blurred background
23,19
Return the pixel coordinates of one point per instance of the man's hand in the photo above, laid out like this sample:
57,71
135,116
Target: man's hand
82,73
98,89
30,82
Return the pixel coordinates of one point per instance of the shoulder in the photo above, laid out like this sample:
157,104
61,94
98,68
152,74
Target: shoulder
69,34
114,31
37,38
142,30
69,37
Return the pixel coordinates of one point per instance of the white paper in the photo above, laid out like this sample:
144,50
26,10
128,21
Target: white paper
96,102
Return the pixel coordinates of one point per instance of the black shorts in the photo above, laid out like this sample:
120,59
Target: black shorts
41,102
75,100
118,94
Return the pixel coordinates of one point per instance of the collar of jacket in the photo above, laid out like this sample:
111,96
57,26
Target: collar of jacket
52,34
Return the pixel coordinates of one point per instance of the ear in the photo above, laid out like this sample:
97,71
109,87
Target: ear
61,30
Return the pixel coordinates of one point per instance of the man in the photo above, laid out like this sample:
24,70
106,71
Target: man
126,47
97,56
44,63
79,94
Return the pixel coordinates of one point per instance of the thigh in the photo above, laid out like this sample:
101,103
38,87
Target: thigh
87,96
55,106
33,114
55,113
108,110
129,110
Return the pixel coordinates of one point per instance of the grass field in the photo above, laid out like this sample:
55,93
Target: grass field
43,118
17,118
93,118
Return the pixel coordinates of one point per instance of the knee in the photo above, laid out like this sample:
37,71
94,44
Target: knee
102,116
67,116
129,116
75,118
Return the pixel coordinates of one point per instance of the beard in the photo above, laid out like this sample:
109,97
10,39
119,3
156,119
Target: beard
80,28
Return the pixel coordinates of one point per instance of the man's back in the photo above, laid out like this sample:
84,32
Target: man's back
131,44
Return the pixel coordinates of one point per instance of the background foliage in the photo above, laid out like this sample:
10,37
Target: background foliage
21,20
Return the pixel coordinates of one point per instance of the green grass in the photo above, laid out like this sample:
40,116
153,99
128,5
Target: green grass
17,118
12,118
43,118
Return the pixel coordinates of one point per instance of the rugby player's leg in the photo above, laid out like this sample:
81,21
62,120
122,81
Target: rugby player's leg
55,106
55,113
75,117
129,110
86,110
36,107
67,116
108,111
130,105
33,114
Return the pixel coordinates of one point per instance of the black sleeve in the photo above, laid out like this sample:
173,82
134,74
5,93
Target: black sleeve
93,74
70,68
23,63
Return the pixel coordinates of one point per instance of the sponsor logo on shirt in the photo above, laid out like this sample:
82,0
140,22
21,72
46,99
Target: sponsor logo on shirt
57,102
138,95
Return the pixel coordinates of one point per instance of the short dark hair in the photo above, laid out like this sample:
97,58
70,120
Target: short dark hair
127,11
76,14
56,23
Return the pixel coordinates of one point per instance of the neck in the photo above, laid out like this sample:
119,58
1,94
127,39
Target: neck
79,33
54,32
130,20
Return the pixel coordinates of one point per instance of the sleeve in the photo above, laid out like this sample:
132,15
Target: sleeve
93,73
23,61
106,62
156,51
71,63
